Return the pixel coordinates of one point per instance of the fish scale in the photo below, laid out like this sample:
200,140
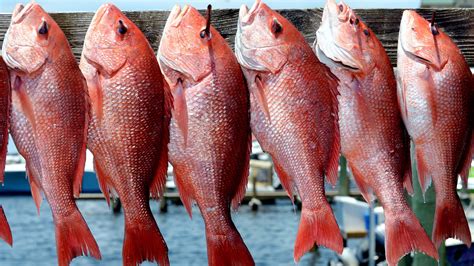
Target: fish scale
49,117
435,95
293,116
128,131
5,99
210,131
373,137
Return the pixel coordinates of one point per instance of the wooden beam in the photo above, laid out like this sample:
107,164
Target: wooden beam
458,23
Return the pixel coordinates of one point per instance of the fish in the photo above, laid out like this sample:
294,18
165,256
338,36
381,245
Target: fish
293,117
128,130
48,123
436,100
210,137
373,137
5,100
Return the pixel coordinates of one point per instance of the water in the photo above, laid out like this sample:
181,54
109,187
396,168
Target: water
268,233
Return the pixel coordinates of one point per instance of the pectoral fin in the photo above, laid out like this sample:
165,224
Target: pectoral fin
259,91
180,110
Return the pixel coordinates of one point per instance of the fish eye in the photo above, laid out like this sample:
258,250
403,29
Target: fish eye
341,8
366,32
43,29
202,34
122,29
276,26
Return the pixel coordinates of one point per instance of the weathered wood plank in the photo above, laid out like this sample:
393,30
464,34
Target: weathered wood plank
458,23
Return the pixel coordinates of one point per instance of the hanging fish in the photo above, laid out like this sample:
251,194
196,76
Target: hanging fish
293,116
373,137
436,101
210,132
128,132
49,119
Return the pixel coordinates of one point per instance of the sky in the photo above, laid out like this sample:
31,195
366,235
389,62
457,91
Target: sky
6,6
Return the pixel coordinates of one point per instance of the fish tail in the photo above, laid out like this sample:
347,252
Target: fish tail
144,242
227,249
450,221
5,232
405,234
317,227
73,239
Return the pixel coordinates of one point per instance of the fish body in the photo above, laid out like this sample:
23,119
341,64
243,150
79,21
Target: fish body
435,96
373,137
49,116
128,132
210,132
5,95
293,116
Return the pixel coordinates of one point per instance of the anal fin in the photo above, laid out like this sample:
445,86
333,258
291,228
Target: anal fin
35,187
244,177
104,181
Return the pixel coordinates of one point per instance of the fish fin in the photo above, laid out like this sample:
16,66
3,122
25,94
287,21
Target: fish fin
227,249
144,242
159,181
364,188
285,179
465,162
423,173
185,195
73,239
242,187
96,96
317,227
4,141
5,232
259,91
407,172
104,183
405,234
77,181
35,187
333,163
450,221
180,110
27,107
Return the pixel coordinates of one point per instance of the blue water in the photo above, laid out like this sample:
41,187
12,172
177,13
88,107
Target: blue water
269,234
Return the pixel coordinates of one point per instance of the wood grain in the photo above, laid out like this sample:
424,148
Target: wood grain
458,23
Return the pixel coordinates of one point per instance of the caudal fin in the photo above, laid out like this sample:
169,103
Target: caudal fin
450,221
144,242
404,234
227,249
73,239
5,232
317,227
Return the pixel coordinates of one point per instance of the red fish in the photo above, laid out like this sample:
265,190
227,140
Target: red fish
49,122
210,131
128,132
5,232
293,116
373,137
435,95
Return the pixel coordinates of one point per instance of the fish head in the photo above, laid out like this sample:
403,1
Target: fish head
423,42
265,40
32,39
111,40
187,52
344,41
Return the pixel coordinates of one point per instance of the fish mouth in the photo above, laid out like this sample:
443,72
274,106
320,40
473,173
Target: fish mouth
177,14
245,14
333,63
21,12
